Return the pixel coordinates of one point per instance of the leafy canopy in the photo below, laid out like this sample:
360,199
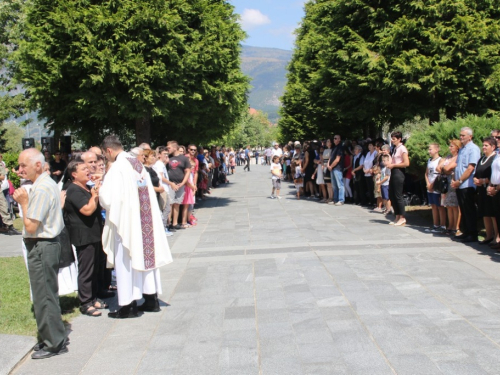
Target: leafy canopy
360,64
161,68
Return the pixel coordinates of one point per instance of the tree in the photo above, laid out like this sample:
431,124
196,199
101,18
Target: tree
159,68
11,99
252,129
11,136
360,64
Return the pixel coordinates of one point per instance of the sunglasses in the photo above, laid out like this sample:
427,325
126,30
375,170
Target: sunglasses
497,137
192,149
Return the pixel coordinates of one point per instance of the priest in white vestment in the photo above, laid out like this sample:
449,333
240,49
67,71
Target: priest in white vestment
134,237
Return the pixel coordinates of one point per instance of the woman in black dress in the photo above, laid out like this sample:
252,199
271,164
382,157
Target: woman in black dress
82,216
308,168
485,204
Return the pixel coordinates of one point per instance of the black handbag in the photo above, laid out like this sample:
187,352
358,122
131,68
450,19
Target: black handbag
441,184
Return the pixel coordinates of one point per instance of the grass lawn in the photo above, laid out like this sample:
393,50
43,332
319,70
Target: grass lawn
16,315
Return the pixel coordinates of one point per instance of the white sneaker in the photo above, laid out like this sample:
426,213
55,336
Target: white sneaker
339,203
272,197
168,233
278,197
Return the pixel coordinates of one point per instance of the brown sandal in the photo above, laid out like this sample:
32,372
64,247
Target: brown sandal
90,311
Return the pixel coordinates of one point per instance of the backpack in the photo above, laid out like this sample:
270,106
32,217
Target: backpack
12,189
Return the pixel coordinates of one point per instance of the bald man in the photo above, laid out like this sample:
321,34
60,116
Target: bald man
96,150
43,222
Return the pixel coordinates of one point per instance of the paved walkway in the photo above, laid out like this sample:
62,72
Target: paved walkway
265,286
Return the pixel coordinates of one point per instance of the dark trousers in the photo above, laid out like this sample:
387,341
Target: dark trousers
88,272
43,267
359,191
468,217
496,207
369,189
103,273
247,166
396,186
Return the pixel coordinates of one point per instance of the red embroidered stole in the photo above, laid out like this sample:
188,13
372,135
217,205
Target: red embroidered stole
148,239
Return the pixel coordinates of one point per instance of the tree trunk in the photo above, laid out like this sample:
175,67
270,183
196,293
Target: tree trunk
451,113
143,130
434,116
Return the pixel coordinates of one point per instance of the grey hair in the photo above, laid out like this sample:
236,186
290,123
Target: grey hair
144,146
386,148
135,152
468,130
35,156
358,147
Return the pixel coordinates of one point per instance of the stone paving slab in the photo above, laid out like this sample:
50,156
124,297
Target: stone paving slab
265,286
14,348
10,246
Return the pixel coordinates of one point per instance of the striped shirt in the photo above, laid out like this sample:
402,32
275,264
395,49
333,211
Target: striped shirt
45,206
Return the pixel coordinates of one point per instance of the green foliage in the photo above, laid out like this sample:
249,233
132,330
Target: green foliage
11,100
161,68
11,137
252,129
360,64
441,133
11,161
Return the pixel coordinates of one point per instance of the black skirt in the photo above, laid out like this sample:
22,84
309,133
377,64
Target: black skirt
485,203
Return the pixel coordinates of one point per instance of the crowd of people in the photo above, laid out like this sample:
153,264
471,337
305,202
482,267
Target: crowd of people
104,209
459,187
369,173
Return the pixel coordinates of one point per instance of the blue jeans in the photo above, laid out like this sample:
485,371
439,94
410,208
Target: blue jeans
338,185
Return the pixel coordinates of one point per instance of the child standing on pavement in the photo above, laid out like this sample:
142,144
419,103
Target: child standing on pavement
277,175
385,175
434,198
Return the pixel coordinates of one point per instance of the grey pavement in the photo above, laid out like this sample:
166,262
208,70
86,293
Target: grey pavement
264,286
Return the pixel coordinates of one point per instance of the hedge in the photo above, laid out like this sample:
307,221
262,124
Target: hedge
440,133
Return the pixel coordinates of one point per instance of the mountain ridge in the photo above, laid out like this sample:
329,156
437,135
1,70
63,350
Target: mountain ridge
267,69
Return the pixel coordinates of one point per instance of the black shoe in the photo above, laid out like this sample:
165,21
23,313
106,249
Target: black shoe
469,239
38,346
150,304
13,232
171,228
485,241
124,312
42,354
461,237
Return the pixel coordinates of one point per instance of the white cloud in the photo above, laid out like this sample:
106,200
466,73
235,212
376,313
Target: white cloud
251,18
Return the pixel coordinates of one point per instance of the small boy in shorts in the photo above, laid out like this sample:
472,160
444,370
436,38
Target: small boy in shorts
434,198
383,182
277,175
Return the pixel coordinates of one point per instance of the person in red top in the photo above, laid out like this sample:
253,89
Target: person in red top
190,189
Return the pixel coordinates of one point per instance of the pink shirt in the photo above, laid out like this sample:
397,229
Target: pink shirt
397,157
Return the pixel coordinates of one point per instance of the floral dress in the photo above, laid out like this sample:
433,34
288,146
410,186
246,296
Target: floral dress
450,200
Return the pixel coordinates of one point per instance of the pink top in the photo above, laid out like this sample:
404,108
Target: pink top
397,157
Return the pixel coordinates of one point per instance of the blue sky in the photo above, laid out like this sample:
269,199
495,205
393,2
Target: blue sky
270,23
